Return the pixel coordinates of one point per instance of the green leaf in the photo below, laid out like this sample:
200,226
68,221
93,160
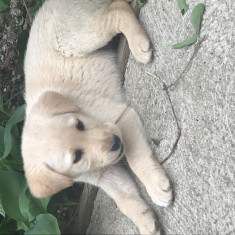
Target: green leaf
8,226
21,21
13,96
185,43
1,140
11,164
196,17
30,207
36,7
1,102
17,116
2,108
44,224
141,3
4,6
156,142
25,203
2,212
16,148
44,202
21,226
10,183
22,44
183,6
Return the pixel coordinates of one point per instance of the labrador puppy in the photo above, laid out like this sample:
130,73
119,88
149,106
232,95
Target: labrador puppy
78,125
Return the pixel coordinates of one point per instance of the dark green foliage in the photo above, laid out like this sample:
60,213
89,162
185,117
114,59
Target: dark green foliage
4,5
21,46
43,221
141,3
36,7
156,142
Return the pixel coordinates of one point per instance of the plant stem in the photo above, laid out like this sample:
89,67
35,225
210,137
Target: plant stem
165,88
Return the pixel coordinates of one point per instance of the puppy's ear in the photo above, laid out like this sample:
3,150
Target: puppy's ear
44,181
52,103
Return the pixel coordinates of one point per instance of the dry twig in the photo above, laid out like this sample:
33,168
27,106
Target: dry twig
27,10
165,88
189,64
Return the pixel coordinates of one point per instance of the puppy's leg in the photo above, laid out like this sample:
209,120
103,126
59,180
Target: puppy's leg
141,159
120,18
83,27
76,27
118,184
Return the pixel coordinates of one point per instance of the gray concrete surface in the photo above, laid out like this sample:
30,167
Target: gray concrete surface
203,166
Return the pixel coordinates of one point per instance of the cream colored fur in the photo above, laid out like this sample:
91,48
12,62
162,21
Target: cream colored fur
69,78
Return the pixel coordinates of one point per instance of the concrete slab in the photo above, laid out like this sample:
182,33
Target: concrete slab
202,168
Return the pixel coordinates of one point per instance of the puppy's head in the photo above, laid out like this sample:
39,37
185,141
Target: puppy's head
60,143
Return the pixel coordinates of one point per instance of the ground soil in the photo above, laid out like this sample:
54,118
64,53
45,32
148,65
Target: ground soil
11,80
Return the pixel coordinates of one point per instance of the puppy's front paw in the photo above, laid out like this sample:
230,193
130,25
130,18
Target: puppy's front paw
141,48
149,227
153,232
161,192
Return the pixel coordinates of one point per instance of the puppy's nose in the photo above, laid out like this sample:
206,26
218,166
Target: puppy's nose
115,143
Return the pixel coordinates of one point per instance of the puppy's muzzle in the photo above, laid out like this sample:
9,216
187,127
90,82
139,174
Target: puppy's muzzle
115,143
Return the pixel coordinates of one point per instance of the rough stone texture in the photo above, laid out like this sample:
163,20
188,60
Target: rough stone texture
11,81
202,168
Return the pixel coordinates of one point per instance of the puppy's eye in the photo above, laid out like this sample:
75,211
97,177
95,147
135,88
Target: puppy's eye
78,156
80,126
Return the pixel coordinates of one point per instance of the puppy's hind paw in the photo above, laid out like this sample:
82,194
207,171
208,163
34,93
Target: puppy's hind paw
152,229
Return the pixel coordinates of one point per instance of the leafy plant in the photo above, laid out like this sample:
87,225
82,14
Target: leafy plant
21,46
196,19
156,141
42,221
183,6
36,7
141,3
4,5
